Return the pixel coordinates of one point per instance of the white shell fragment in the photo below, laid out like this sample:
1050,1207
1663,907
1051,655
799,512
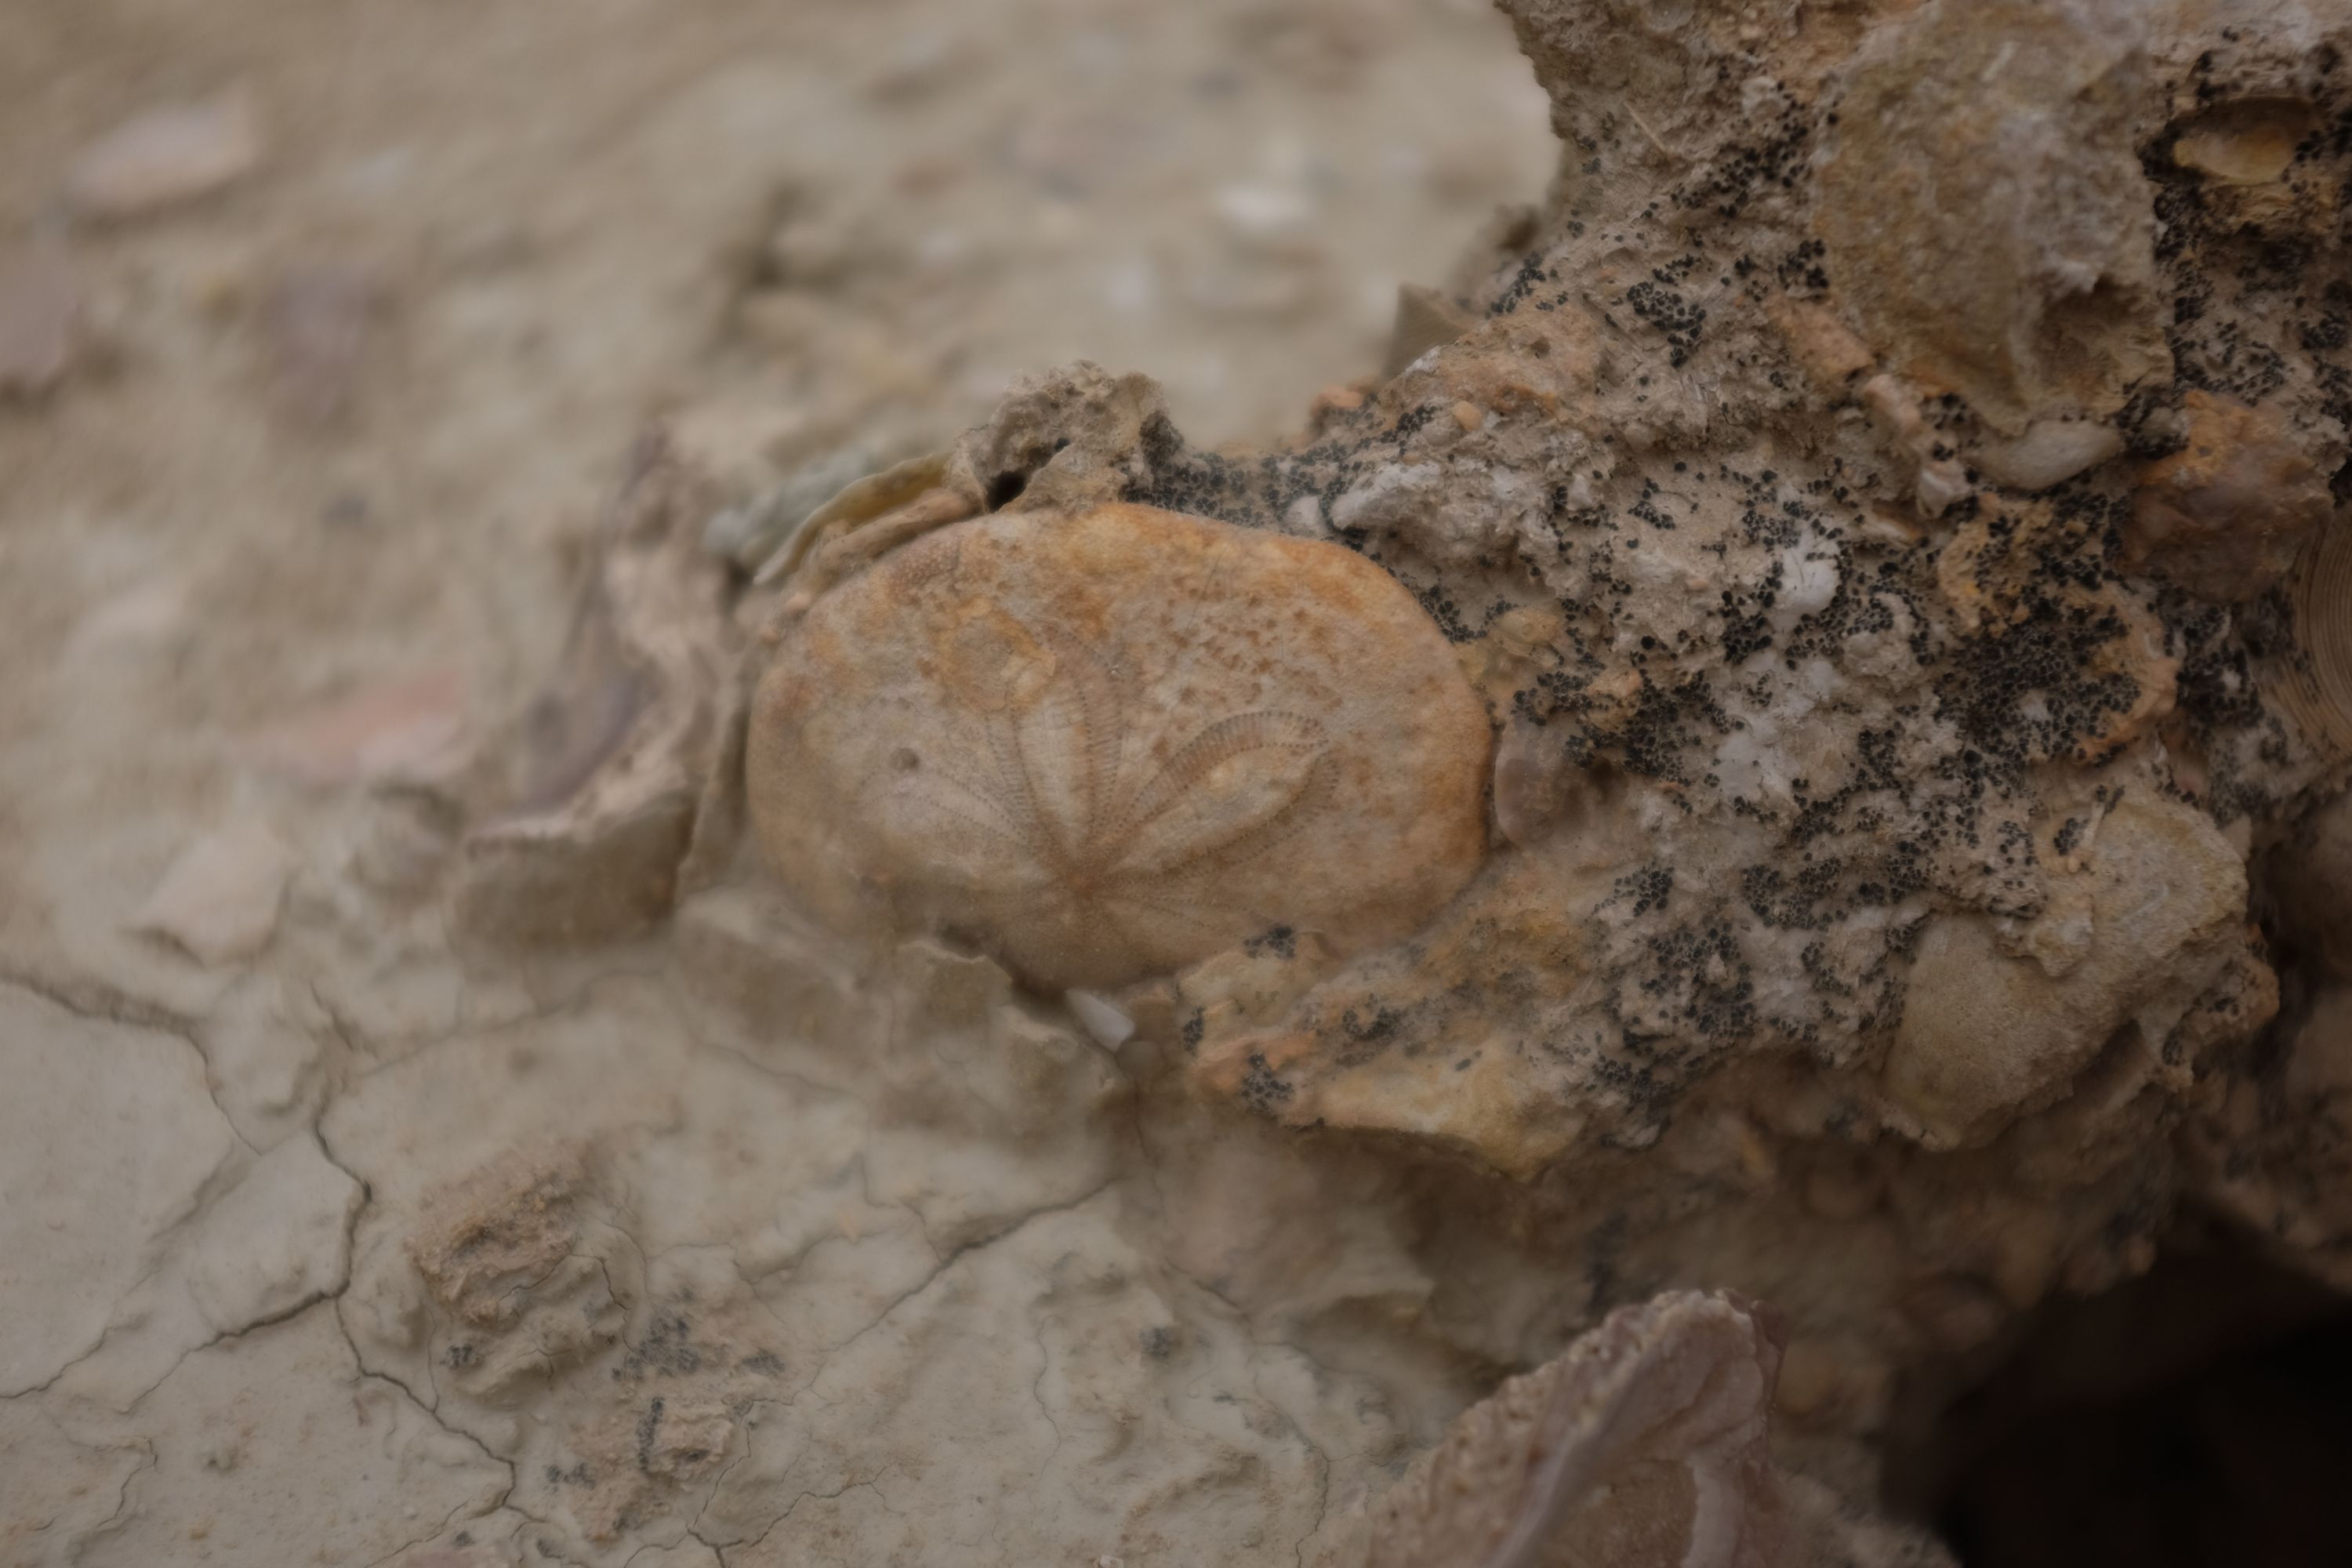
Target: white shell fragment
1102,1018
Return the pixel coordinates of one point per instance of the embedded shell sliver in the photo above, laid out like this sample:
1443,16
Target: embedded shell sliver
2315,686
1106,746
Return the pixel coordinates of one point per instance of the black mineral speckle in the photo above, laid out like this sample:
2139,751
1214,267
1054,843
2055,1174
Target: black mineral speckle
1262,1090
648,1425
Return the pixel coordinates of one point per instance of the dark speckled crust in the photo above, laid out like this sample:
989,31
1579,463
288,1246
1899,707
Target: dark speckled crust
1721,495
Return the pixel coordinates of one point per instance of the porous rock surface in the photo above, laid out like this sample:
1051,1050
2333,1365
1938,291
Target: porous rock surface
1108,745
1875,504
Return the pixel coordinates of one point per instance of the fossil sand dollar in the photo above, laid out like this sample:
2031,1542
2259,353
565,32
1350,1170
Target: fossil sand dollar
1107,744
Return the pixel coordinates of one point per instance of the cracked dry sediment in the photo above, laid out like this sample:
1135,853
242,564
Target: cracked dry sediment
742,1248
735,1243
762,1262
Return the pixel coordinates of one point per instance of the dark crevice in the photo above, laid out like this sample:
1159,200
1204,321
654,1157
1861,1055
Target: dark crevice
2197,1417
1005,488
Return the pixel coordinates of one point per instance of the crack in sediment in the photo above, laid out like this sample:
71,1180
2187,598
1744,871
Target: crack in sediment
718,1482
955,1257
148,1461
208,1193
269,1320
446,1520
1044,1365
146,1451
684,1011
867,1484
938,1270
513,1472
102,1004
97,1003
386,1054
1151,1173
319,1298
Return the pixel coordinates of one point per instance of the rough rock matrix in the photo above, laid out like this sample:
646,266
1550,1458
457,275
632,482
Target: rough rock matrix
1882,501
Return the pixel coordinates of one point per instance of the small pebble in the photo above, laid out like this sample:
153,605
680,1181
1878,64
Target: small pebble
165,158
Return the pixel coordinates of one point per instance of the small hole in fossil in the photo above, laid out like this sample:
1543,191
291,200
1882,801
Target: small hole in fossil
1005,488
904,760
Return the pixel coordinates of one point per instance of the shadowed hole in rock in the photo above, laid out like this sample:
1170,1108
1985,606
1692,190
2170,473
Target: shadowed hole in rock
2196,1417
1005,488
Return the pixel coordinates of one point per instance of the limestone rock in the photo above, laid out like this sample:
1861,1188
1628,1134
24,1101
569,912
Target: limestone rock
1802,762
1107,743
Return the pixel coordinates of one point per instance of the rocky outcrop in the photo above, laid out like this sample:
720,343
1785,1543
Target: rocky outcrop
1881,507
